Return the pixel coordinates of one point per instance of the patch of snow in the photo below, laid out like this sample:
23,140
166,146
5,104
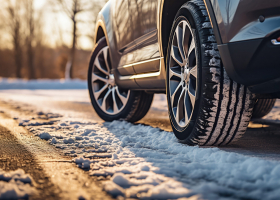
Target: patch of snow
15,185
206,25
45,136
41,84
53,141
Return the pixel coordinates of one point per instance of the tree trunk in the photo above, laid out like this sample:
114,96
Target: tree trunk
30,56
17,49
30,38
73,50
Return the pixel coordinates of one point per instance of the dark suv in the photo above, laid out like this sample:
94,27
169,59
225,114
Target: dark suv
218,61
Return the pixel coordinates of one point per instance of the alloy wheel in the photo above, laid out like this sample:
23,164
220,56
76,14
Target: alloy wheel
109,97
183,74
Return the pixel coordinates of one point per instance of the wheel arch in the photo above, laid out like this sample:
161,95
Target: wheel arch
99,34
100,31
102,25
167,10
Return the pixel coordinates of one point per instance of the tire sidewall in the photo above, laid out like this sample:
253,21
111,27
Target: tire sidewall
106,117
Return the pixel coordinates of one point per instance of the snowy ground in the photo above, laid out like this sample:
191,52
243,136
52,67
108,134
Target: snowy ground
15,185
139,161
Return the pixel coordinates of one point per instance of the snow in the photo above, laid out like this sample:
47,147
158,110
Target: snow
142,162
45,136
43,84
15,185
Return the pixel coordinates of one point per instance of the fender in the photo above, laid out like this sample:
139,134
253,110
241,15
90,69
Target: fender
103,21
160,22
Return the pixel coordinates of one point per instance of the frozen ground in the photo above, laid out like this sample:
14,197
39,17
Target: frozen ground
140,161
15,185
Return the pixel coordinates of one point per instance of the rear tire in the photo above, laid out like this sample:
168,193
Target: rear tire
263,107
109,101
218,109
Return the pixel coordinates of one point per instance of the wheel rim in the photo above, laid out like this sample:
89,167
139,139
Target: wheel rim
183,74
109,97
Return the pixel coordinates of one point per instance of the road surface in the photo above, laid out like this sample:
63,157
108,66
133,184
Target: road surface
59,174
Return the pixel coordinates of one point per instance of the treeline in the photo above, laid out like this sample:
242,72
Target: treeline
49,63
27,55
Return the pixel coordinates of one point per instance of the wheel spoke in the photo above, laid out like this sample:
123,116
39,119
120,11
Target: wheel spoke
192,47
172,72
176,55
180,39
186,38
185,108
98,65
180,105
188,106
105,53
193,71
115,106
99,92
103,105
175,91
122,98
95,77
192,97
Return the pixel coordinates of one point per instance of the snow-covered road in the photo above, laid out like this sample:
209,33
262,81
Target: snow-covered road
145,160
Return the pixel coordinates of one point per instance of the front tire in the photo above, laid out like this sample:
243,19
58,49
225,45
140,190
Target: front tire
206,107
109,101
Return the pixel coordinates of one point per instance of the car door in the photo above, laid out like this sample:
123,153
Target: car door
123,34
144,28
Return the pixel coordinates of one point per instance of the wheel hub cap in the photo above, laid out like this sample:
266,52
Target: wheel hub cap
109,97
183,74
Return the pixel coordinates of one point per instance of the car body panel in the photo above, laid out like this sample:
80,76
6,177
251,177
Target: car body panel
133,30
238,20
246,28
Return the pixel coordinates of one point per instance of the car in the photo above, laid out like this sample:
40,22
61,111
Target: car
217,61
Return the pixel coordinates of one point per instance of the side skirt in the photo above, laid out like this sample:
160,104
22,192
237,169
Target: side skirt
145,81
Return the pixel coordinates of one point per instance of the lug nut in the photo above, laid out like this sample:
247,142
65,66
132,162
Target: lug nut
261,18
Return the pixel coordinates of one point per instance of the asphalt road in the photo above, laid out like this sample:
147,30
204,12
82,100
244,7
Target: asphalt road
56,176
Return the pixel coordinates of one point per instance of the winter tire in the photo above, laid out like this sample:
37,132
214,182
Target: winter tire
205,106
109,101
263,107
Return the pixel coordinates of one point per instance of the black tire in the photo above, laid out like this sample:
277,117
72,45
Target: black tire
263,107
222,108
138,103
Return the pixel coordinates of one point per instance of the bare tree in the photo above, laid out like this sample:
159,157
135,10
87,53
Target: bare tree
14,24
76,7
29,17
73,8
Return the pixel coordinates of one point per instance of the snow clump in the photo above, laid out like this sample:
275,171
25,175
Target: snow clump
15,185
